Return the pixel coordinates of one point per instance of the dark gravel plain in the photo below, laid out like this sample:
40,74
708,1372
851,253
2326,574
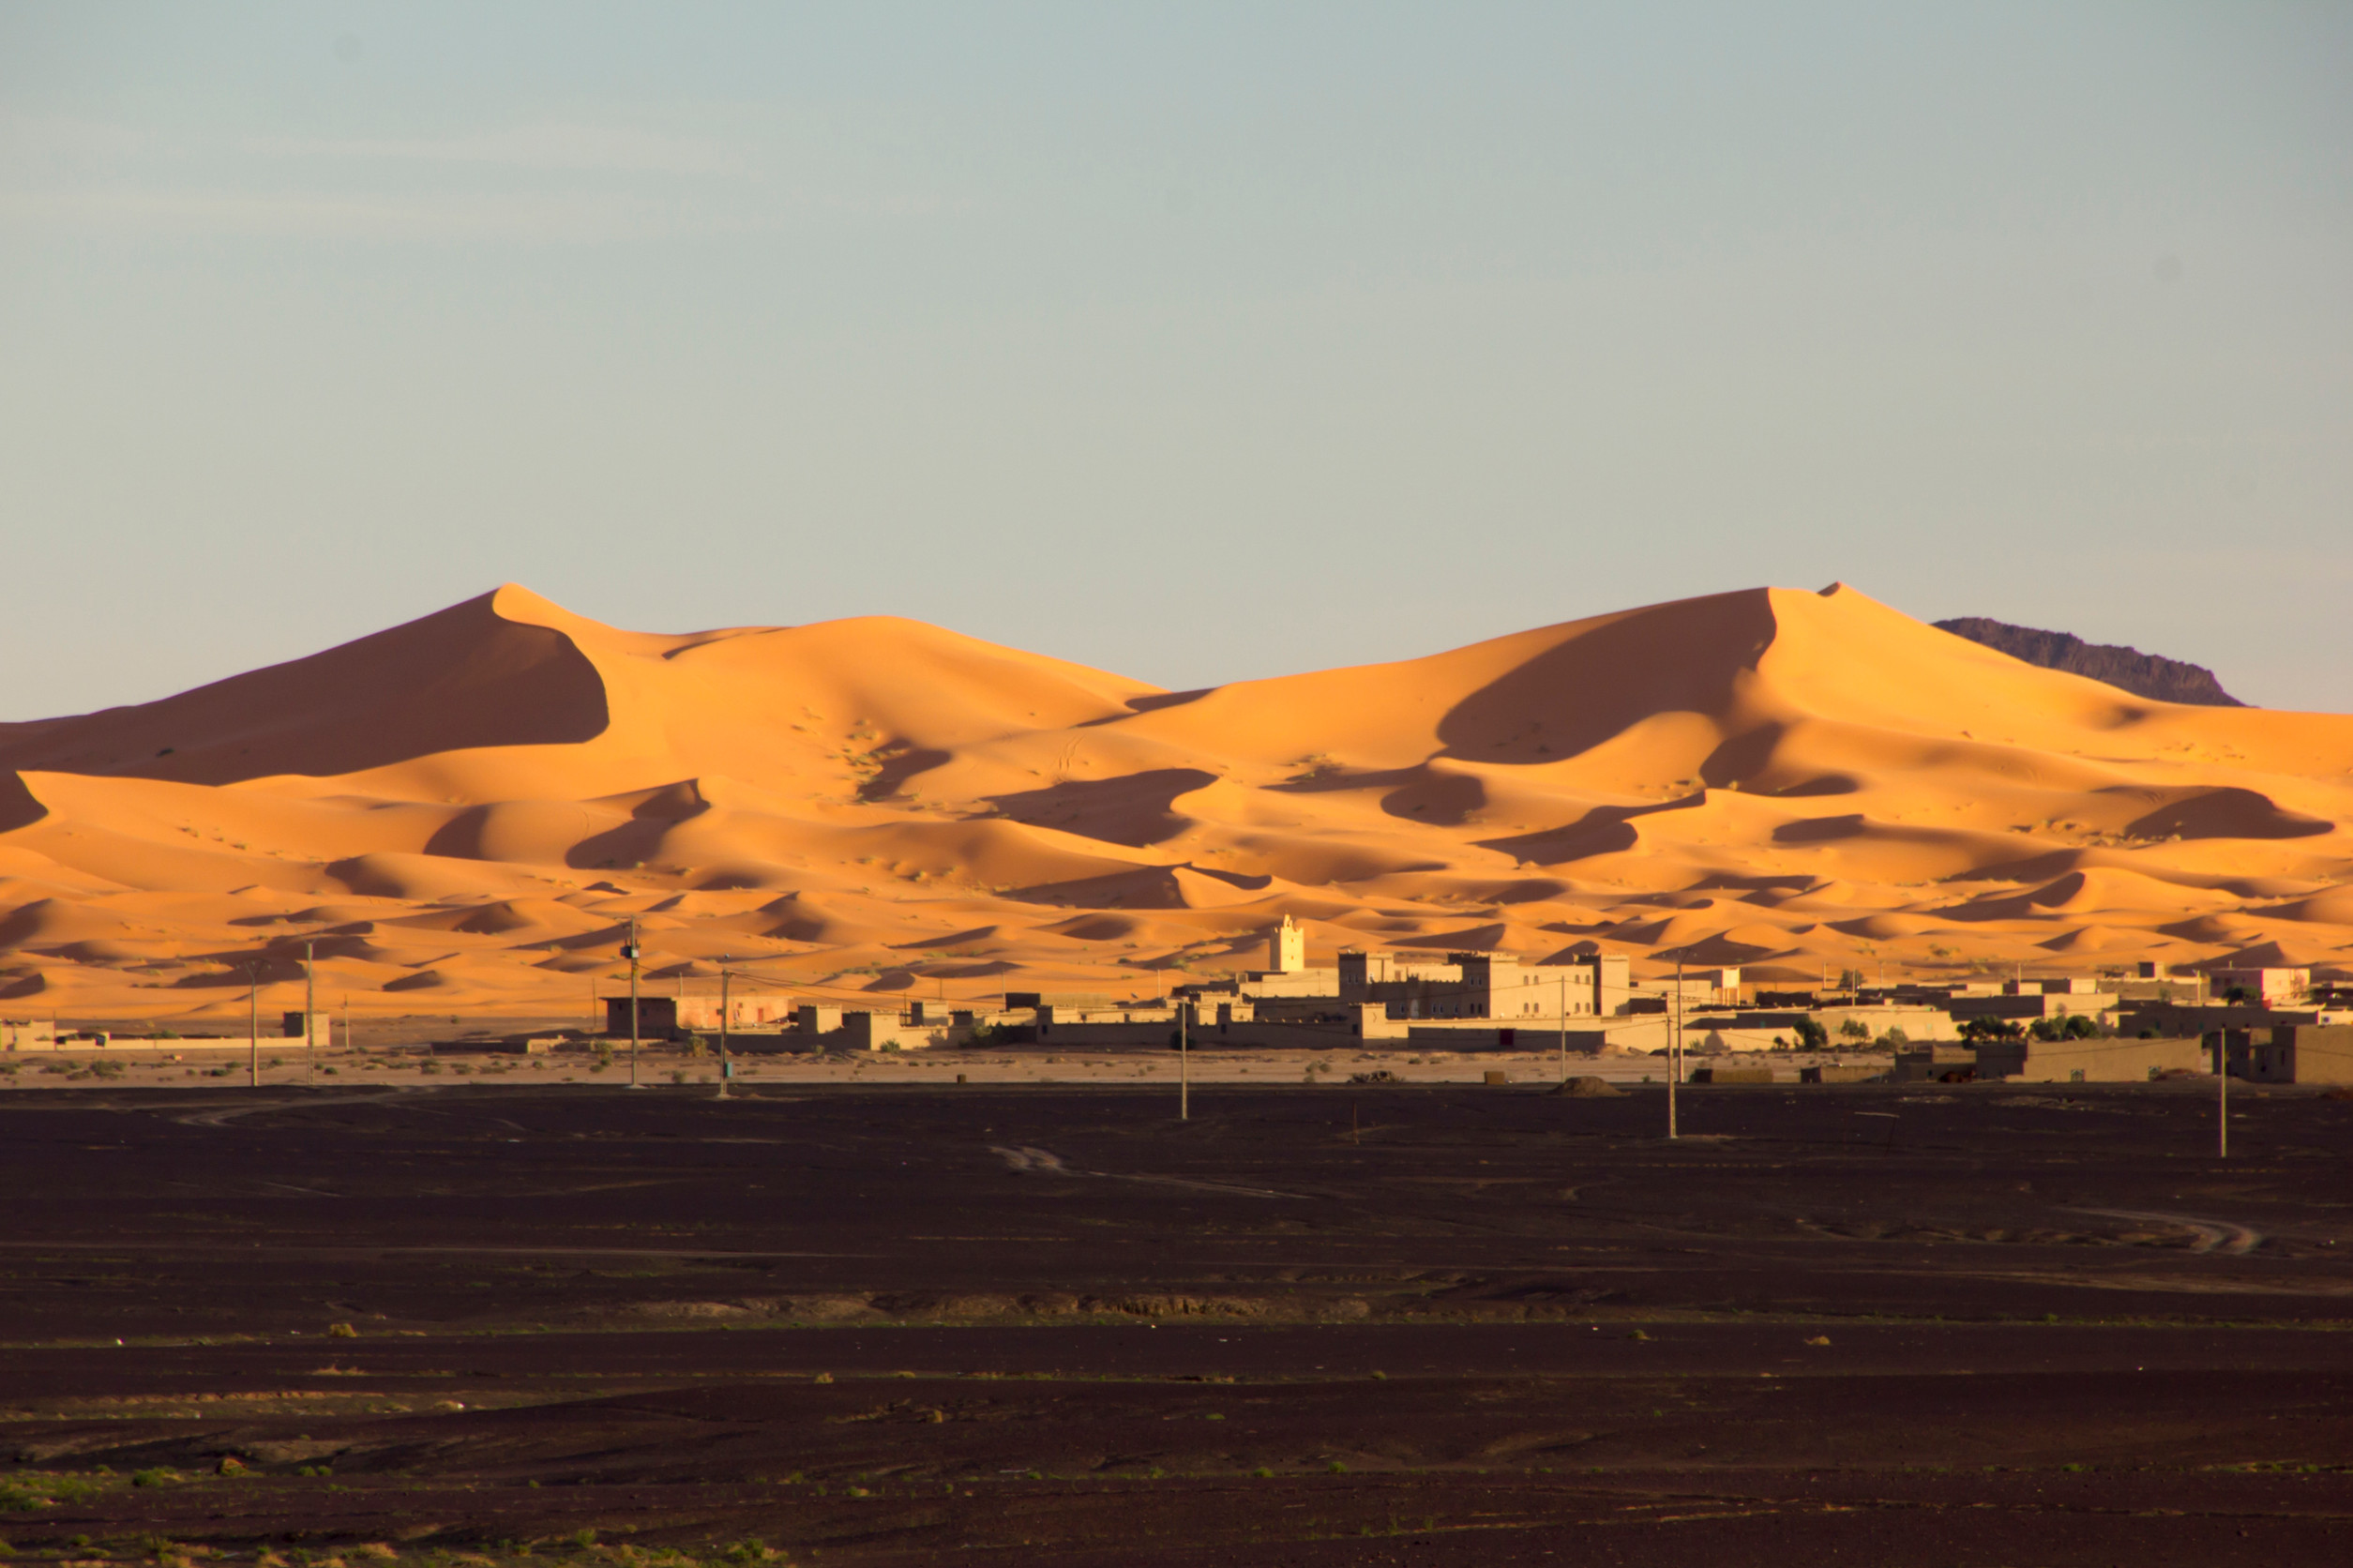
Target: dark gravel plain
1951,1325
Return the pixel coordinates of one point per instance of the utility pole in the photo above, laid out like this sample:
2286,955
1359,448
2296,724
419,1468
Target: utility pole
630,953
2221,1095
1565,1029
1185,1073
1675,1052
309,1019
727,1064
254,1027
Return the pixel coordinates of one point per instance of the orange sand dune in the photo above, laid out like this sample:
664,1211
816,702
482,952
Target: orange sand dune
464,813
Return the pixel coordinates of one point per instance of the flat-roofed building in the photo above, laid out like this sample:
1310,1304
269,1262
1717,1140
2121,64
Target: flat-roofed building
2088,1061
662,1017
2294,1053
28,1034
2267,988
1485,986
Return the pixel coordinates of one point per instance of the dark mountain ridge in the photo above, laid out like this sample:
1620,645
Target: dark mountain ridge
2168,680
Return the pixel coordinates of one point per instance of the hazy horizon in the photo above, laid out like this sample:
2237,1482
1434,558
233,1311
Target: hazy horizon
1195,344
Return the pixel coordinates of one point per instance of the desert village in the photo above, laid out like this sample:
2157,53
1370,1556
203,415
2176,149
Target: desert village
2273,1025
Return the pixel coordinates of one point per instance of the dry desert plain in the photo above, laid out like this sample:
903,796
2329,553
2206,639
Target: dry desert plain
575,1327
461,814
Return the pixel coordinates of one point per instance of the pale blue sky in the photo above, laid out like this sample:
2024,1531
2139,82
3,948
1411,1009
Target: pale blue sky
1198,342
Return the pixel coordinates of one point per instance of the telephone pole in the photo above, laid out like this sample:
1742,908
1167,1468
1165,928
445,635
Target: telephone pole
309,1019
727,1064
254,1027
2221,1095
630,953
1675,1052
1565,1029
1185,1073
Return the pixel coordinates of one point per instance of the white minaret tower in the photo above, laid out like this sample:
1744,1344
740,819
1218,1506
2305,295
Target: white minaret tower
1287,949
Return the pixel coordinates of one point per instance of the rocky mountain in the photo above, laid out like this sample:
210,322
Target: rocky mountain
2168,680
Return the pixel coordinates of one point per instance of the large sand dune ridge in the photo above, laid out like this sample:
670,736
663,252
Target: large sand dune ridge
463,813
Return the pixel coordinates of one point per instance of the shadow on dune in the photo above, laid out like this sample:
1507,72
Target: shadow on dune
1820,830
1153,702
1134,810
897,770
2225,813
1678,658
1604,830
461,678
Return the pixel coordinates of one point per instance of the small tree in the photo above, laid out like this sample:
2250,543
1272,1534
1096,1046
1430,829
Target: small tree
1980,1030
1855,1028
1811,1034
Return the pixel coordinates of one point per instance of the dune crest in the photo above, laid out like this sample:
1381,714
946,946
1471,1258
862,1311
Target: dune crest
474,804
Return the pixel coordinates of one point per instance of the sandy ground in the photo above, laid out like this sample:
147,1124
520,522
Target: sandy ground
468,813
898,1324
217,1069
229,1065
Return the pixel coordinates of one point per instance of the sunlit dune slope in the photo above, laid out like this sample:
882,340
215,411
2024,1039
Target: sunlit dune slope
465,812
